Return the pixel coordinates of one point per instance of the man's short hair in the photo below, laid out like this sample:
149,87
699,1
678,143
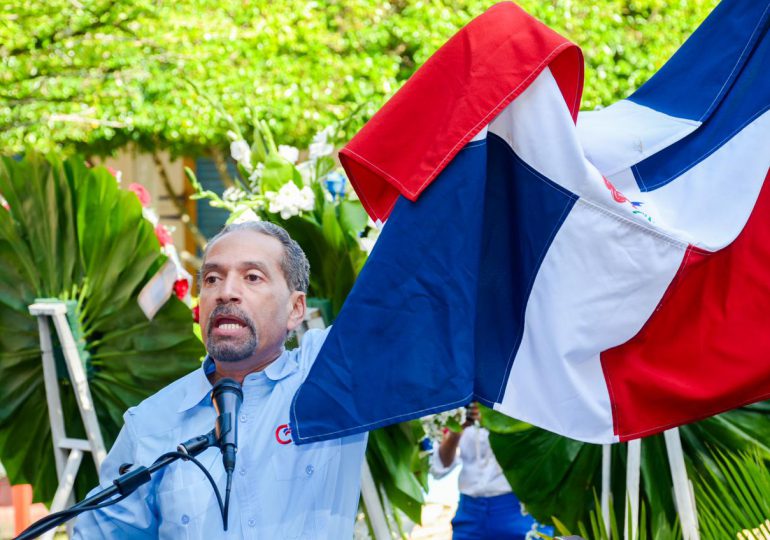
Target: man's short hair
294,264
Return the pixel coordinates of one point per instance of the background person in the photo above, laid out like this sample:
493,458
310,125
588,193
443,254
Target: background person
488,508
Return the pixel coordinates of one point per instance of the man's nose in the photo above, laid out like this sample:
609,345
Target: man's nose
230,291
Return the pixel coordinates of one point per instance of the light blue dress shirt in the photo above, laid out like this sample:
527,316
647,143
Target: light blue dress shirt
280,490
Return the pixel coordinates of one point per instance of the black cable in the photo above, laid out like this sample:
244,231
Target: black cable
187,457
225,516
65,515
68,514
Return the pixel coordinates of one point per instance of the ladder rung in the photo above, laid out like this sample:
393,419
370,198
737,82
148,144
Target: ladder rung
75,444
49,309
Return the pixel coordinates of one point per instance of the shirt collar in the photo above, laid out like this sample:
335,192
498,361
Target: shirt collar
199,387
281,367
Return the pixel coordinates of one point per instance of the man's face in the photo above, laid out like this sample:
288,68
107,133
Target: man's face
246,307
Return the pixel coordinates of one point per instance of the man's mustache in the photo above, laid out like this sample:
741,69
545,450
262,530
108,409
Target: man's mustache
224,310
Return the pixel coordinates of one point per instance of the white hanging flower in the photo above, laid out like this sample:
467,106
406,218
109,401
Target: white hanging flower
256,174
290,200
320,147
241,152
289,153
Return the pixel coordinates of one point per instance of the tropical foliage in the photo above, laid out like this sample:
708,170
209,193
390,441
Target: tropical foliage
596,529
555,476
69,232
96,74
733,500
399,467
734,497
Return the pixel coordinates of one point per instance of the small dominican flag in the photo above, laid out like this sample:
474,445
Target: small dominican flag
604,276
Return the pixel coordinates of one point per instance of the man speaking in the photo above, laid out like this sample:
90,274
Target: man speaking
254,281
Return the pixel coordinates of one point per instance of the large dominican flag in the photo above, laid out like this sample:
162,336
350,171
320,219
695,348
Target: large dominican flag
606,280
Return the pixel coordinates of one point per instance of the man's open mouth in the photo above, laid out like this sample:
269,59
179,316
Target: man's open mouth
229,323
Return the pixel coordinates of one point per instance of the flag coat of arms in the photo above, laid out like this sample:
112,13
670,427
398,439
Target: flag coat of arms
603,275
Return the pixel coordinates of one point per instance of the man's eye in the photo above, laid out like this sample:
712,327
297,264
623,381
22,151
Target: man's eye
253,277
210,280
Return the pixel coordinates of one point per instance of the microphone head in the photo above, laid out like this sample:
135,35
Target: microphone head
227,397
226,390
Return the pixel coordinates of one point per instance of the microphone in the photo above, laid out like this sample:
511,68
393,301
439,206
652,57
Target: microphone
227,397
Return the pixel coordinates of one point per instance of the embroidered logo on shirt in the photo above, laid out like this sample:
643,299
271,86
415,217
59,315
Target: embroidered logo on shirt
283,434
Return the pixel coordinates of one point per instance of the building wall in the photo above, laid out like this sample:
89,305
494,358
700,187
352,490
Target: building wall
140,167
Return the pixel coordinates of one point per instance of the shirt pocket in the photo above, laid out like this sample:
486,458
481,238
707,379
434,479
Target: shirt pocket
187,513
302,477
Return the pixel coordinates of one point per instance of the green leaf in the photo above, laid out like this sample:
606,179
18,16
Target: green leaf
353,218
276,173
77,220
393,457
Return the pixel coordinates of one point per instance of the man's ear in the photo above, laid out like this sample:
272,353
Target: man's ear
298,308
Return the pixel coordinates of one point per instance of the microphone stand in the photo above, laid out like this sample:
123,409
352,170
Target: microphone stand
124,486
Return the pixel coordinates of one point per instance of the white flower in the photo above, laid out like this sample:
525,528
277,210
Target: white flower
233,194
307,199
256,174
319,147
241,152
324,134
290,200
289,153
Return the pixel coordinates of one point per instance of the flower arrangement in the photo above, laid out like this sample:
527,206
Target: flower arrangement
182,280
308,197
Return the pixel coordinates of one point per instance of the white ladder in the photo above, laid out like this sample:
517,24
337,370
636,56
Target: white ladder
68,452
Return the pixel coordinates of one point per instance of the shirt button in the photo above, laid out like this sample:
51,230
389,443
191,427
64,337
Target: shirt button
252,522
243,418
309,470
185,519
242,471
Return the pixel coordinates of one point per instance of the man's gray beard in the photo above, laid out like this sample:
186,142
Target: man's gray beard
226,351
